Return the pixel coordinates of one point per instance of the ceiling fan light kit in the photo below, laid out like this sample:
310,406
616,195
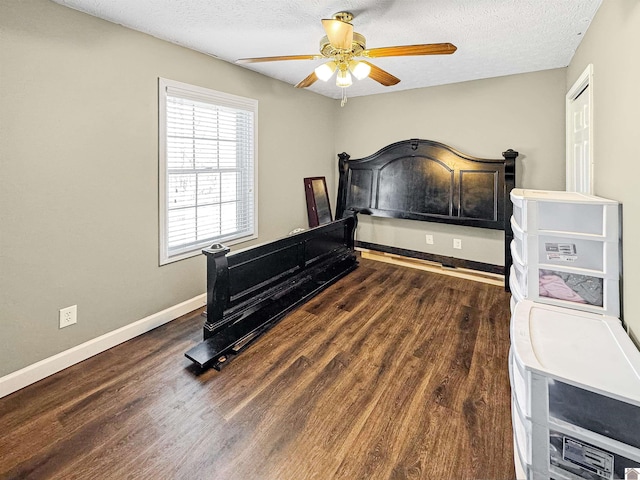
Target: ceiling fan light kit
343,48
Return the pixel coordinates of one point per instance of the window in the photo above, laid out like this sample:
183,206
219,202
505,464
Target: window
208,163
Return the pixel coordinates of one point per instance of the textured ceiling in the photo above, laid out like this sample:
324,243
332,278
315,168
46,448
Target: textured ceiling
494,37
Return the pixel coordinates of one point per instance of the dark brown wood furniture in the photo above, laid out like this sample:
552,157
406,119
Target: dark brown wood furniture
429,181
249,290
318,205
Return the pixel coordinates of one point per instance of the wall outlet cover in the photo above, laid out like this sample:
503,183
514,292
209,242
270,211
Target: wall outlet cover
68,316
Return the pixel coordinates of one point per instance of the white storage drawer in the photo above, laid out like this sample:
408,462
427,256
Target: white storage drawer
519,272
518,214
566,286
522,434
523,471
519,241
600,256
577,251
557,211
516,294
600,414
580,455
520,385
575,288
588,218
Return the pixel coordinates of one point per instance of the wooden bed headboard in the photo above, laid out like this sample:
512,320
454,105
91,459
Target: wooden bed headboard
429,181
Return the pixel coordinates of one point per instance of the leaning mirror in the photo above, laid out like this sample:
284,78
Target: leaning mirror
318,208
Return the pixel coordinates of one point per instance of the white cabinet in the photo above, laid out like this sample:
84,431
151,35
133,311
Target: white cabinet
575,382
566,249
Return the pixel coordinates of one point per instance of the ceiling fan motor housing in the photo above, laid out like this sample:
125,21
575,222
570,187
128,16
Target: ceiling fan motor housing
343,16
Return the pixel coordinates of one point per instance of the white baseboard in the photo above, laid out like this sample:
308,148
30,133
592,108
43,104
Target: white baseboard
42,369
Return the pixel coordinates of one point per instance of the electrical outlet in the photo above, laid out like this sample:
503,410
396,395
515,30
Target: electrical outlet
68,316
457,243
429,239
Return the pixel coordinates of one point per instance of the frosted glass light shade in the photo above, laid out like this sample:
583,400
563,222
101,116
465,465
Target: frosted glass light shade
324,71
344,78
360,70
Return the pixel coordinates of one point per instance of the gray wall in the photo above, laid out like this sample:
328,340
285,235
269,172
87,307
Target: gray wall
611,45
482,118
79,170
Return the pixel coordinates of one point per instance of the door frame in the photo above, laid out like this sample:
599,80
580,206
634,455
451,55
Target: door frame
584,80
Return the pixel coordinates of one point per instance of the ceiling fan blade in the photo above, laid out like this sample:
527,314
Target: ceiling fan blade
340,33
310,80
276,59
381,76
405,50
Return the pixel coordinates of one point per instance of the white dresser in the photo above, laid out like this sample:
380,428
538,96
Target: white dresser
566,250
575,379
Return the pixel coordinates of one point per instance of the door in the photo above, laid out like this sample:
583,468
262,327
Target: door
579,106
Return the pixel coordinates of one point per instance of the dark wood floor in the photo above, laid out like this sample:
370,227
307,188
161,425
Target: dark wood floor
392,373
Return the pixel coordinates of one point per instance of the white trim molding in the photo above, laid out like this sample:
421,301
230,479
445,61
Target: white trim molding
31,374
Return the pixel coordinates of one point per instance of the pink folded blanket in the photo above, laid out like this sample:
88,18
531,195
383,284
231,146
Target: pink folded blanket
554,287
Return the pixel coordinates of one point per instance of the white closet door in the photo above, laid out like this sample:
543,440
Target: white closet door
579,135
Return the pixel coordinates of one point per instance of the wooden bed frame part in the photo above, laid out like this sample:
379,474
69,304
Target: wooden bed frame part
250,290
432,182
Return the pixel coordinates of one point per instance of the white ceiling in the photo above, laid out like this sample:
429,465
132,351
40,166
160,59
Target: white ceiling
494,37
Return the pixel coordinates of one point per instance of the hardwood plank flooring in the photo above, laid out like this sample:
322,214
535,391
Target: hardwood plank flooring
391,373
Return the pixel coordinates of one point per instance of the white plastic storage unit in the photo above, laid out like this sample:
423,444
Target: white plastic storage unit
566,250
575,383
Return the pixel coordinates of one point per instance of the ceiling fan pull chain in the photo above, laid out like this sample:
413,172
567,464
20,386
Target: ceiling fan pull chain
344,96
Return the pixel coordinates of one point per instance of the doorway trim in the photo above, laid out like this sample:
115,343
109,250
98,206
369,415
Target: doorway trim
584,80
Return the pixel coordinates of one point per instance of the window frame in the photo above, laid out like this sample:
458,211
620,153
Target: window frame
215,98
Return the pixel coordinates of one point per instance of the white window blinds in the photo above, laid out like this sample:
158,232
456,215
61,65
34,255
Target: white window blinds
207,163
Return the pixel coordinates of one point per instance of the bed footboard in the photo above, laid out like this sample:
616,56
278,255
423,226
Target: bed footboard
250,290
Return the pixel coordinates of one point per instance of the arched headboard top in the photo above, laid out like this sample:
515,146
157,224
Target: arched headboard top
429,181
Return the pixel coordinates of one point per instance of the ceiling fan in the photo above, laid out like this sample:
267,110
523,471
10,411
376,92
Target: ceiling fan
345,50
